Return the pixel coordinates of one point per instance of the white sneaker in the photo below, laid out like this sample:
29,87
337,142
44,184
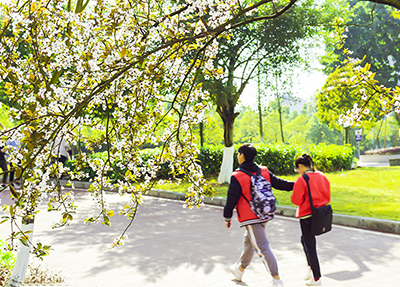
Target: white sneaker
308,275
234,268
277,283
312,282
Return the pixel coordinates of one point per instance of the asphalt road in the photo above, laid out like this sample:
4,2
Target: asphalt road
172,246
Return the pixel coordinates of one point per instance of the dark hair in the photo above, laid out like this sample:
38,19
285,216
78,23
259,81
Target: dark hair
305,160
248,150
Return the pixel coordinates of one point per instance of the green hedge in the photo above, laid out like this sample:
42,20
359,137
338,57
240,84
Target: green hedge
332,157
210,158
279,158
145,154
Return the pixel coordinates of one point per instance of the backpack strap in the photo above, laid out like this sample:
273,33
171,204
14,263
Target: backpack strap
306,178
251,175
248,172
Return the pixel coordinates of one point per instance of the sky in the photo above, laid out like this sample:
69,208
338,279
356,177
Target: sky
305,83
304,88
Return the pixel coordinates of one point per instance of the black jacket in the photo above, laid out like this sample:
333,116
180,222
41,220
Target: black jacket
235,190
2,154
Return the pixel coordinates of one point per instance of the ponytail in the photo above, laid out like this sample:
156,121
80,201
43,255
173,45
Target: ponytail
305,160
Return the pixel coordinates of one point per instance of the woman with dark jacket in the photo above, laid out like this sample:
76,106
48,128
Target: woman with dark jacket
321,195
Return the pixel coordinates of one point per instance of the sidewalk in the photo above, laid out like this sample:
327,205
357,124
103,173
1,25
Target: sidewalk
172,246
382,225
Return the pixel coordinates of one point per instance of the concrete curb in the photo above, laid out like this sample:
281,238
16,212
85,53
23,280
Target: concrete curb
389,226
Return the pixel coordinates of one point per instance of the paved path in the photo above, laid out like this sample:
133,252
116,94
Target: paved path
172,246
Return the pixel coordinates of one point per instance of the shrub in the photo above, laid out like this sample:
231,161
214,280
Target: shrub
145,154
210,158
279,158
7,257
332,157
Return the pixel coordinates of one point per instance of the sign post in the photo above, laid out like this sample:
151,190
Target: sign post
358,139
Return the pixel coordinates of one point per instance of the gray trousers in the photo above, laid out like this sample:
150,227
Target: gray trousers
256,239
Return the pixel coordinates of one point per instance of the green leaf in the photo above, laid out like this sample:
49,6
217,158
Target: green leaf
24,241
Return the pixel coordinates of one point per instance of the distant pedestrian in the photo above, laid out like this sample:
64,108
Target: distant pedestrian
3,162
3,166
321,195
15,145
239,196
61,150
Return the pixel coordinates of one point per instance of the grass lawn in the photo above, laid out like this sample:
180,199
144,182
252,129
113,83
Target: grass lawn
370,192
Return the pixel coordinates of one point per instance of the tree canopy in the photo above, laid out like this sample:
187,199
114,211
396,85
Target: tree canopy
263,44
374,35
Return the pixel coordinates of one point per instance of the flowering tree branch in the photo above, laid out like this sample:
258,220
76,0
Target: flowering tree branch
126,69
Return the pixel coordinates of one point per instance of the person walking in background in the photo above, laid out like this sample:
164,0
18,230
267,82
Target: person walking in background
61,150
3,163
15,145
3,166
239,196
321,194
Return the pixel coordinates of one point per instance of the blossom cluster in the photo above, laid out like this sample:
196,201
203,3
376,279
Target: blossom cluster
365,96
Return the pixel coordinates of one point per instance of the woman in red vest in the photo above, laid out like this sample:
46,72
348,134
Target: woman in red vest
321,195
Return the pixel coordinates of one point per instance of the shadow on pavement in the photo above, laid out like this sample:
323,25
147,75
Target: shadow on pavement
165,236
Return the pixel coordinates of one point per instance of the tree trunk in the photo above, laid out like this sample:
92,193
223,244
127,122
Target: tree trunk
376,144
398,130
319,133
201,134
280,119
347,135
384,142
228,117
259,107
21,264
260,122
226,166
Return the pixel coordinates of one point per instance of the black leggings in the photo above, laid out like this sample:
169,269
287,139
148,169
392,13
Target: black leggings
309,245
3,166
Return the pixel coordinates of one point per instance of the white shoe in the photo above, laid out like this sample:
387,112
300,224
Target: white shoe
308,275
234,268
312,282
277,283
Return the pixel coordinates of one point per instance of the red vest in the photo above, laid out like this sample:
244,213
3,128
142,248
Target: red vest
243,208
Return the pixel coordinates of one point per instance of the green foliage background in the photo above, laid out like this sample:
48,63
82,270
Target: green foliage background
301,127
279,158
7,257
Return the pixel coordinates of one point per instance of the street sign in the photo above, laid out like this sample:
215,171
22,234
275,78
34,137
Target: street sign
358,135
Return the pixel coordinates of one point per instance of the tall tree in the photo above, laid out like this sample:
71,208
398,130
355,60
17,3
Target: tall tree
377,39
262,44
279,86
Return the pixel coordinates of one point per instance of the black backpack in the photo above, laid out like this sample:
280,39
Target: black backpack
262,199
